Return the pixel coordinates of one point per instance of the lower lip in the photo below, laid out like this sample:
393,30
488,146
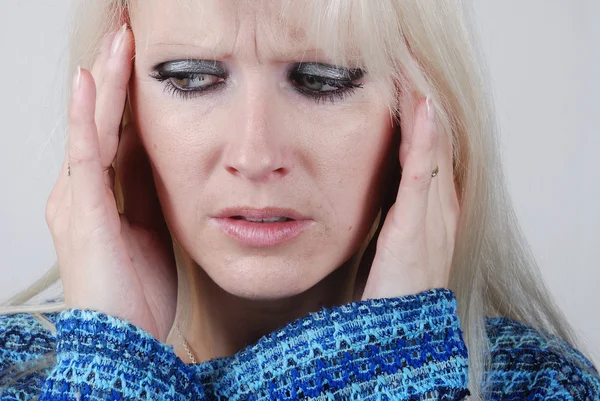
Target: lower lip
262,234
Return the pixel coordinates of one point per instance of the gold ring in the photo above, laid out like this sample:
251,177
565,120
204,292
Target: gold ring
435,171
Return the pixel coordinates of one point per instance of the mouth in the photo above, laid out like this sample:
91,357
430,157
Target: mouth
277,219
260,228
263,215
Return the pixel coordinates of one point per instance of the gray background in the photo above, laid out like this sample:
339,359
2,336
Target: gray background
544,56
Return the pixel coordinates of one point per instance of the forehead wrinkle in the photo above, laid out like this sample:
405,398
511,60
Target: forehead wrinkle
282,40
223,29
161,23
245,41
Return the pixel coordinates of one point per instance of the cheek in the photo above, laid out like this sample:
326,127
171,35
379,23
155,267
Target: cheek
175,144
354,161
339,154
173,137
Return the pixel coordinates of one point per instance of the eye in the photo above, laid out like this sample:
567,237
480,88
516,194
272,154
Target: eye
188,78
322,82
315,83
194,81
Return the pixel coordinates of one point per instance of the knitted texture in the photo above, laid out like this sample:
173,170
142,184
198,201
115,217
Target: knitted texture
528,366
405,348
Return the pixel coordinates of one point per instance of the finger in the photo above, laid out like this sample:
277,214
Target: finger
141,204
103,55
60,219
435,222
109,178
447,187
56,195
413,194
87,175
408,104
112,92
441,221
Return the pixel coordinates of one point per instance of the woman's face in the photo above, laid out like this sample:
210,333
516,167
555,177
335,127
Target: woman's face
239,131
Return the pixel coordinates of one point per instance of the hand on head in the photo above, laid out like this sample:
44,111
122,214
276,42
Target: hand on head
118,264
416,243
122,263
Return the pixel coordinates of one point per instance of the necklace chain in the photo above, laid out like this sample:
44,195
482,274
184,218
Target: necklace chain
185,345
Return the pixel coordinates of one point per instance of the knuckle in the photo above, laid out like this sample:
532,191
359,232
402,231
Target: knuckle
106,79
420,180
60,226
52,205
79,153
77,118
89,215
112,77
58,223
49,213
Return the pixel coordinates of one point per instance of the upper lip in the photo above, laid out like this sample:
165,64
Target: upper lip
262,213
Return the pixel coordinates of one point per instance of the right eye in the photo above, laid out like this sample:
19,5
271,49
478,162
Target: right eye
193,82
185,78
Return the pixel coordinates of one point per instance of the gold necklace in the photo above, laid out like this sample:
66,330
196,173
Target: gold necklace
185,345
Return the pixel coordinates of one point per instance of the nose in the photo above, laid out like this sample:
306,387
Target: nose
255,150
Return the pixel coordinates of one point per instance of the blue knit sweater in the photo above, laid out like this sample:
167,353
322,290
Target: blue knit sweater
405,348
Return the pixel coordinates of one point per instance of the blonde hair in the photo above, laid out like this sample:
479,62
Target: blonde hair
430,47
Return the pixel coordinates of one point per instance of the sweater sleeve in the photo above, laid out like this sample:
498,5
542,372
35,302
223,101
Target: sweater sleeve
527,364
405,348
100,357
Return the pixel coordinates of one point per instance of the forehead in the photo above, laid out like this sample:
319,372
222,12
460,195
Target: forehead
226,27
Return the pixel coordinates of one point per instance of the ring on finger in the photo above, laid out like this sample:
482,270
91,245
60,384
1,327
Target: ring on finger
435,171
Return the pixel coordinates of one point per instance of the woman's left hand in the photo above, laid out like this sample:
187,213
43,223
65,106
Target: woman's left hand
416,243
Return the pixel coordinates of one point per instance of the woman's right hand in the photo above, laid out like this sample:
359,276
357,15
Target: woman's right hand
118,264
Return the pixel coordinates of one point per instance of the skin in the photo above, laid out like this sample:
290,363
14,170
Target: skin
256,142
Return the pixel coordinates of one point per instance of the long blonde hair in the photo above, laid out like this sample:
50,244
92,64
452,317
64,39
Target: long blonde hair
430,47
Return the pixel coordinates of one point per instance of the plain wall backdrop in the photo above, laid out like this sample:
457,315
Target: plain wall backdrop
544,58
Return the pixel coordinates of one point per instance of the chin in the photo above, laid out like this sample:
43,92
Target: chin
271,273
265,278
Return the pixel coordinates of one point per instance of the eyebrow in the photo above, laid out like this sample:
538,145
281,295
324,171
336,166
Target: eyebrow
293,53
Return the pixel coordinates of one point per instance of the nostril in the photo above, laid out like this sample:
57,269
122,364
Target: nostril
232,170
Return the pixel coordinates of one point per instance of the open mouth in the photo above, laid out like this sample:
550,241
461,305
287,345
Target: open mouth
261,228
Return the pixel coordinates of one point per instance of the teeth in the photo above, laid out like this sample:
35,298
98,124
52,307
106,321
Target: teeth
270,220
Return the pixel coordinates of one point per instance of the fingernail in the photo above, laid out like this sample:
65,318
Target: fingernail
77,79
430,109
118,40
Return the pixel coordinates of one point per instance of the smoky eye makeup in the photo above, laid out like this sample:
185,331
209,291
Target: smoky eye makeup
191,67
325,82
327,71
186,78
316,81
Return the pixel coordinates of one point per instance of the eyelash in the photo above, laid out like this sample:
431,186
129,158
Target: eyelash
344,87
173,90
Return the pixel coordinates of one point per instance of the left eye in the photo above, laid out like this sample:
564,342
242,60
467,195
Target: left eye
194,81
315,83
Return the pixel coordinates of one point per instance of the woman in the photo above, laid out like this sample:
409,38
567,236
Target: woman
243,231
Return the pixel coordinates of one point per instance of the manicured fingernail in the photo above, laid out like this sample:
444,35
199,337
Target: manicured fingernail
430,109
118,40
77,79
